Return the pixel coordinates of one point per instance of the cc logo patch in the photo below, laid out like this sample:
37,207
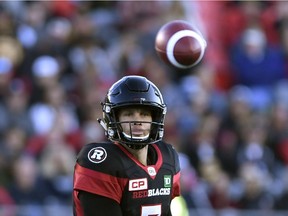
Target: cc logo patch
97,155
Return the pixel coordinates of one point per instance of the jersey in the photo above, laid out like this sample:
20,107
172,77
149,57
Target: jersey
110,170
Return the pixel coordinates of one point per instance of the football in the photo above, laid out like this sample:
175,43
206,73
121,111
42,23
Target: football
179,44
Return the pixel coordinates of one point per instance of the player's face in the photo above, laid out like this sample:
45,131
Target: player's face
135,118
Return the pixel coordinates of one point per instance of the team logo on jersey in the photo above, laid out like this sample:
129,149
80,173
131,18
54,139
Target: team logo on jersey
138,184
167,181
151,171
97,155
151,193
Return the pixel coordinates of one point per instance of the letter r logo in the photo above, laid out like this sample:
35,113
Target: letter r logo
97,155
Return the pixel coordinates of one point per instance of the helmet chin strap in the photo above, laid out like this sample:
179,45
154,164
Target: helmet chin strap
136,147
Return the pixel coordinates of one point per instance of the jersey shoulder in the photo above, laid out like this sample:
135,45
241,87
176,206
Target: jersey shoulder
103,157
169,153
95,155
99,154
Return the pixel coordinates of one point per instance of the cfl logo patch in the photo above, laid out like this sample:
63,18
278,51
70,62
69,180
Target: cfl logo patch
97,155
151,171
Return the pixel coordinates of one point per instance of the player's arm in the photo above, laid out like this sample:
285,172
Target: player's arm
98,205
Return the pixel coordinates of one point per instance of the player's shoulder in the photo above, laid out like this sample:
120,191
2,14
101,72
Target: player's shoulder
169,154
166,147
99,146
102,153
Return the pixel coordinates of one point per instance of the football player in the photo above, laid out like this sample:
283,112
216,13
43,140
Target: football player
135,172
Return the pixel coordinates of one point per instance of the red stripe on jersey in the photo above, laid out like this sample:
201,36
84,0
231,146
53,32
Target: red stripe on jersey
78,210
176,185
99,183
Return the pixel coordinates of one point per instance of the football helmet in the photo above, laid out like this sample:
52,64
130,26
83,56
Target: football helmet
133,91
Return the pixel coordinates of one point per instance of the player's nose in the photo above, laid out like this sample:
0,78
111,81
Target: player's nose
137,117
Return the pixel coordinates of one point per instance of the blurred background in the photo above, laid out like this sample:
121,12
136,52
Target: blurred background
227,117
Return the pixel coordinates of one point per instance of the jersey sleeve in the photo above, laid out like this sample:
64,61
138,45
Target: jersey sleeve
104,205
95,175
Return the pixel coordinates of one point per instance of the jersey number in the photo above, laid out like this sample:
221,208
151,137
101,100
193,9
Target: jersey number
153,210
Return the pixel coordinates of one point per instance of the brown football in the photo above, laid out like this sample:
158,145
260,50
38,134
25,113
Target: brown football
179,44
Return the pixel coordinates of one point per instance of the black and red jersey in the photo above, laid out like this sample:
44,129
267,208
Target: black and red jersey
110,170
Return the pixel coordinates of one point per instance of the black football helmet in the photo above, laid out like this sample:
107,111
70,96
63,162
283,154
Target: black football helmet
133,91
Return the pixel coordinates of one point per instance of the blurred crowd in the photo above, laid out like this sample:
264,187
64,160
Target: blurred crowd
227,117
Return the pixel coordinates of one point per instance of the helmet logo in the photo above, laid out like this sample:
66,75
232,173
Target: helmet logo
97,155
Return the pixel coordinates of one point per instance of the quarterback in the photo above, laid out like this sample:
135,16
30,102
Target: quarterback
134,172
